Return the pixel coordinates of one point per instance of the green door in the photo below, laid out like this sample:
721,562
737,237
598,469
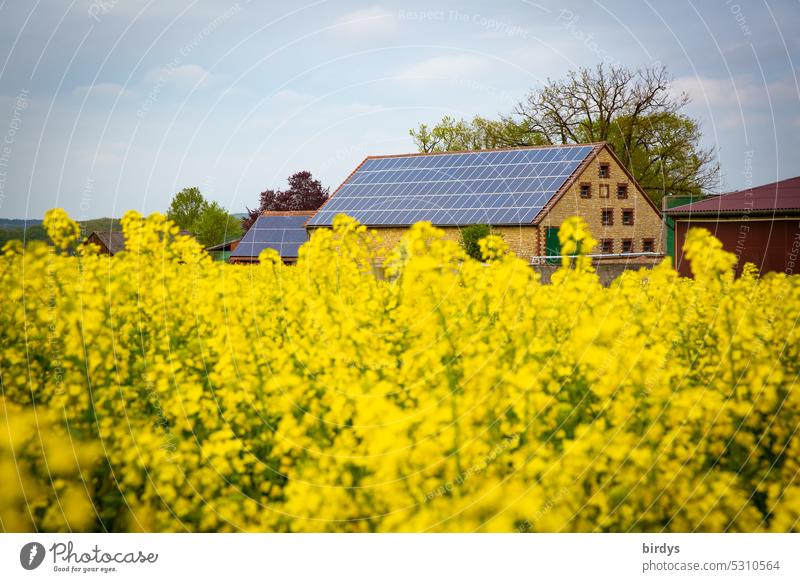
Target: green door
552,246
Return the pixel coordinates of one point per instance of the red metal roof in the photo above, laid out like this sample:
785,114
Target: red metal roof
769,198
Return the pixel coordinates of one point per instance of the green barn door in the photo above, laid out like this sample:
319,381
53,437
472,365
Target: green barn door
552,246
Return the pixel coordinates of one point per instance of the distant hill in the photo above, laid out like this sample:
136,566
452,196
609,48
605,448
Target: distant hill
32,232
17,222
20,229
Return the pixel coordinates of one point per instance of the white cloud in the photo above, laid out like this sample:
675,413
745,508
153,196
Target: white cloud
289,108
102,90
288,100
110,153
347,110
735,101
294,98
367,22
182,76
235,92
102,159
785,88
736,91
448,67
700,90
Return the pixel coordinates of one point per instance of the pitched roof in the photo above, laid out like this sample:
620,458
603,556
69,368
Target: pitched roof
777,197
503,186
226,246
113,241
283,231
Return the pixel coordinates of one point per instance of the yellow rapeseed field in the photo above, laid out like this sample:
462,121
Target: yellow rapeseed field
162,391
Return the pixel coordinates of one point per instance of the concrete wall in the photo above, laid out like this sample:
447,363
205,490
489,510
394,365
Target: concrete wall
606,271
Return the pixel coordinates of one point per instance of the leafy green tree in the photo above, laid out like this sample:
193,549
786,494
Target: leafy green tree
666,158
470,237
216,226
186,208
28,233
636,111
209,222
451,134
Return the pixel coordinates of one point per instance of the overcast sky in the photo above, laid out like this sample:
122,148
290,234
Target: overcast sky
109,105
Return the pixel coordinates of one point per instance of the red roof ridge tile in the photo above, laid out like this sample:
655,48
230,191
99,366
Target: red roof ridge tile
488,150
288,213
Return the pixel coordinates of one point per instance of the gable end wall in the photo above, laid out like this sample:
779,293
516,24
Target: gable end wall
647,221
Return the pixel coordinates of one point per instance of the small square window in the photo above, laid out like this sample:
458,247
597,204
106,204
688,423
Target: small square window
648,245
604,170
603,190
607,246
627,217
607,216
586,190
627,245
622,190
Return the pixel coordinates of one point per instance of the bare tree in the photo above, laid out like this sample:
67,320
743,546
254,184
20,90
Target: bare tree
637,112
584,106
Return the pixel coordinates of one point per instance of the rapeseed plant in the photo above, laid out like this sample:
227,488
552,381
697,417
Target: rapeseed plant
159,390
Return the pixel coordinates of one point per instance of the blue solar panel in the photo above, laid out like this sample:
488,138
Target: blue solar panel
285,234
495,187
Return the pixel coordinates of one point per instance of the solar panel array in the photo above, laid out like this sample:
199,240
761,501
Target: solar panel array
285,234
492,187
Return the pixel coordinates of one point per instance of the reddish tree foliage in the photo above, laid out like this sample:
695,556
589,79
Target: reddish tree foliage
304,193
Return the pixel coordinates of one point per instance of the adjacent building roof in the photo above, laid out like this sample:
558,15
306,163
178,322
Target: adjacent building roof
113,241
510,186
226,246
283,231
775,198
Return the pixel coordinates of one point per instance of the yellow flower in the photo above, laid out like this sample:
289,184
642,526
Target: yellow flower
61,229
576,240
162,391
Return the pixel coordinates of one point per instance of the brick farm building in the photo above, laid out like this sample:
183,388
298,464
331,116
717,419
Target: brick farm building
523,193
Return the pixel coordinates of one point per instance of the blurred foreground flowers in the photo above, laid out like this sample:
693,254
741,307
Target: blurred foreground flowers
161,391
